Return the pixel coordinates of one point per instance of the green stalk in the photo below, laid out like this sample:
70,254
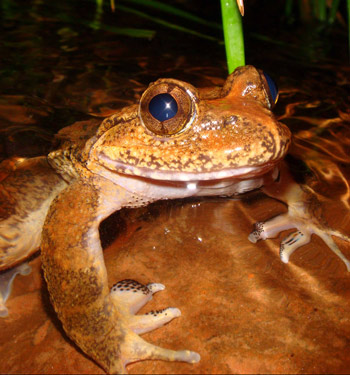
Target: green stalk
98,14
167,8
233,34
349,26
333,11
99,5
160,21
288,8
321,9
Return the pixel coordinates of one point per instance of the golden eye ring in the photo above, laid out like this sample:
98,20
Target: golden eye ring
166,108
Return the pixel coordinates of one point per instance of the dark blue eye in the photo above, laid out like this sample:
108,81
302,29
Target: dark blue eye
163,107
273,88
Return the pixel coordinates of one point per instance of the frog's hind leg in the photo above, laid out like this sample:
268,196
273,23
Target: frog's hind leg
304,213
25,197
130,296
27,188
6,280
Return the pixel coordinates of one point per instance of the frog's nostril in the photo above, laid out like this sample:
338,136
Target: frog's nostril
163,107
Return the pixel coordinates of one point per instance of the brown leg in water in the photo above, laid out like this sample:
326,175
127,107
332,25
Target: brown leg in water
101,323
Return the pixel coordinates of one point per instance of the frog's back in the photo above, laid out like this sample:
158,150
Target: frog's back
77,134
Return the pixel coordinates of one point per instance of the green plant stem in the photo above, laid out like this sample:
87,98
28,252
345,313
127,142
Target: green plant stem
288,8
349,27
162,6
323,11
233,34
333,11
160,21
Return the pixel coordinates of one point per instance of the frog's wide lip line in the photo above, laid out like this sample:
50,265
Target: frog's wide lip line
173,175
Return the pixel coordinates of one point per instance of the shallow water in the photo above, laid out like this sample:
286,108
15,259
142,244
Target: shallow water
242,309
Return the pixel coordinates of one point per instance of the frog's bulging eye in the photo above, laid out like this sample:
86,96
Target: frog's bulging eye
272,89
163,107
166,108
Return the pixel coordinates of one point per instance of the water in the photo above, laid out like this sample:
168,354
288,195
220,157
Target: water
243,310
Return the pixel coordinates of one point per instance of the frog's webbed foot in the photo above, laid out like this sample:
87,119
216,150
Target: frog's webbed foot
303,214
6,280
129,296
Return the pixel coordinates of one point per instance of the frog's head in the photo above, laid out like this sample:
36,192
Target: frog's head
180,133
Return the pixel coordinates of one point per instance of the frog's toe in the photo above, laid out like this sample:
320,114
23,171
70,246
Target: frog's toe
130,296
6,280
137,349
270,228
326,236
133,295
256,234
153,319
4,312
292,242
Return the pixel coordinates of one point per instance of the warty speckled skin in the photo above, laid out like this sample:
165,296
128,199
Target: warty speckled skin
223,141
228,141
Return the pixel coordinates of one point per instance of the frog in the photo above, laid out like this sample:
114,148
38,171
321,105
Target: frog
177,142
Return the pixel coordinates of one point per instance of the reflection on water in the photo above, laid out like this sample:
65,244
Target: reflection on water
243,310
322,144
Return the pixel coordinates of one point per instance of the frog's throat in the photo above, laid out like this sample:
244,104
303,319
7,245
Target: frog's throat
244,172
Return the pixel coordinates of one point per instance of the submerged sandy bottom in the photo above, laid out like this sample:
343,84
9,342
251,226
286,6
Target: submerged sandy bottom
242,309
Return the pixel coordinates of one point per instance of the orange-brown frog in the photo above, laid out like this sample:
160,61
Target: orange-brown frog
177,142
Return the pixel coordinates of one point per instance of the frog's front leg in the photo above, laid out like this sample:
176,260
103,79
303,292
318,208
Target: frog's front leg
102,323
304,214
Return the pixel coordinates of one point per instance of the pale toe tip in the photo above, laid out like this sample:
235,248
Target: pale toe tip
25,269
4,313
253,237
155,287
193,357
175,312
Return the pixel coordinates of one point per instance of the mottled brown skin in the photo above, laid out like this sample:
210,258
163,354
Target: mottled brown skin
21,204
76,274
125,165
222,141
236,120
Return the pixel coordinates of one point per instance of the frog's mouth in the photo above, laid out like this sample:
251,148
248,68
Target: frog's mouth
244,172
